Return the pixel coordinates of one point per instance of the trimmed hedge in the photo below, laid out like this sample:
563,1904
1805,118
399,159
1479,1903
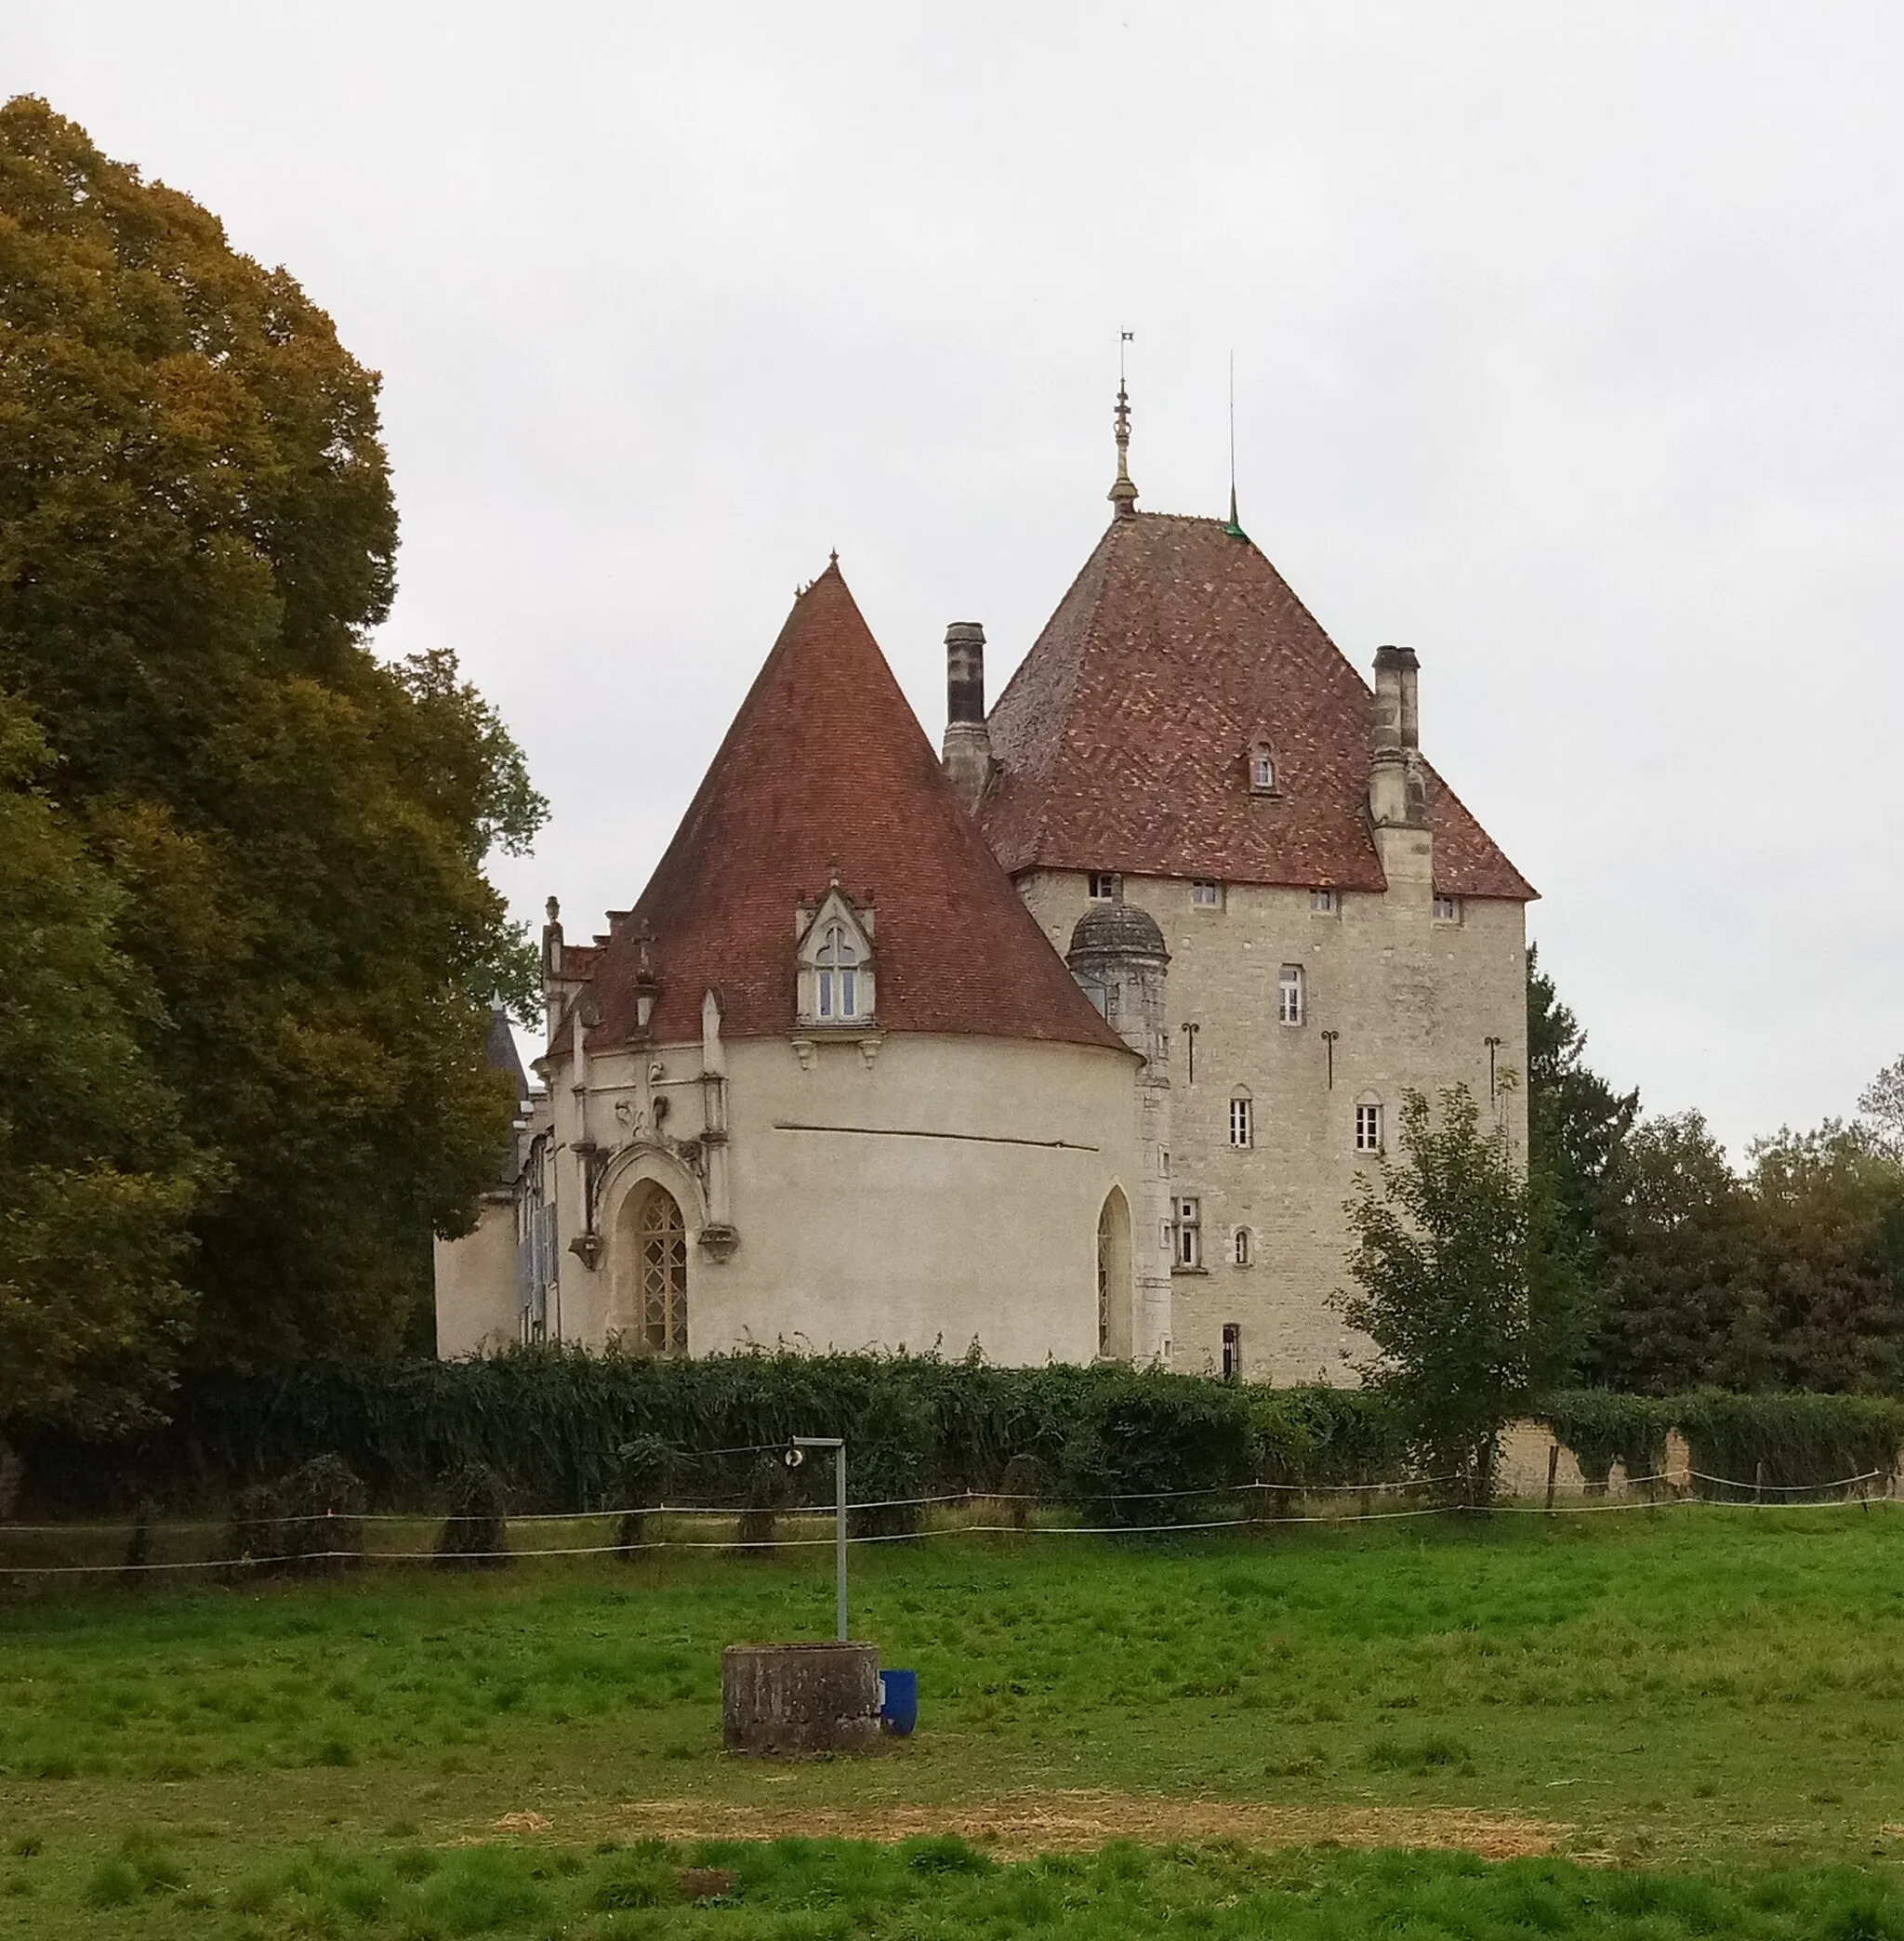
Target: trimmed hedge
564,1429
560,1430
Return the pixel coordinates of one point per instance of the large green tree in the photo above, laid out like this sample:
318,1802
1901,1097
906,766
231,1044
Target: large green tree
96,1176
1677,1248
1576,1121
1830,1232
197,538
1442,1256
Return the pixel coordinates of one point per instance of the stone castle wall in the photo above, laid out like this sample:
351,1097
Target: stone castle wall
1412,1000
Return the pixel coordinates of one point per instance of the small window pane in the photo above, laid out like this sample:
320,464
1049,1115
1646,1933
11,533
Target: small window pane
1189,1233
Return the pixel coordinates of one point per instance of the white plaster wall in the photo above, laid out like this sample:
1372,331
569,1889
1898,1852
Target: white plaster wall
476,1284
876,1236
1413,1000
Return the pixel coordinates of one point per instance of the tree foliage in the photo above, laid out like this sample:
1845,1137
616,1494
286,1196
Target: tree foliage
1880,1111
96,1176
1577,1123
1830,1260
1677,1244
197,537
1442,1255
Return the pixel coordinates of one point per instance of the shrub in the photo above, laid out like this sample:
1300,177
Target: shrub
642,1480
323,1504
475,1533
1804,1440
1156,1449
255,1534
770,1490
1602,1428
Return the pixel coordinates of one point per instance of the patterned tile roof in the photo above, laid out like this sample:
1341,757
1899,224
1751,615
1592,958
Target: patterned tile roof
826,771
1124,737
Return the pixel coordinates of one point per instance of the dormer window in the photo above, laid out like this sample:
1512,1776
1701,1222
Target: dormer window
1261,769
835,953
838,976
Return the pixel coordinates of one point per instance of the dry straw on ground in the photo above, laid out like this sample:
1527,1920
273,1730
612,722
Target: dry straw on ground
1073,1822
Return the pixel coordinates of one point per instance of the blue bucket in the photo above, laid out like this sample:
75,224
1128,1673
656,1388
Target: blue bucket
899,1702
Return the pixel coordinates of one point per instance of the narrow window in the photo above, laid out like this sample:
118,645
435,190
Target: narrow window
1447,909
1207,896
1322,901
1289,1009
664,1270
1241,1251
1261,771
839,980
1242,1123
1189,1233
1232,1352
1367,1129
1103,884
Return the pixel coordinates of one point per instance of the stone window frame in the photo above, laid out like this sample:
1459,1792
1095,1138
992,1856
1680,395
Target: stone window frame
1232,1363
1370,1127
1261,771
1242,1119
1447,909
1207,893
1186,1234
1291,1010
1243,1247
836,912
1324,902
1102,885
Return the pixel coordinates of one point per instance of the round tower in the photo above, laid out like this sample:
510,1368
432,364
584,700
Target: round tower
1119,959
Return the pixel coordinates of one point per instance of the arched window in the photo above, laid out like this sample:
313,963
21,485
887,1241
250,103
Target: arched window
1243,1253
1261,769
838,978
663,1241
1114,1284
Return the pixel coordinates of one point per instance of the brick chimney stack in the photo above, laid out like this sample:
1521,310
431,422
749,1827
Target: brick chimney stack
968,746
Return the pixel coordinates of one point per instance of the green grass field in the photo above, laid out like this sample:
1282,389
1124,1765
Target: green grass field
1698,1710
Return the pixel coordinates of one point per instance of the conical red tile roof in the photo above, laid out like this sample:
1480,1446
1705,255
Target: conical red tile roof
1123,737
825,767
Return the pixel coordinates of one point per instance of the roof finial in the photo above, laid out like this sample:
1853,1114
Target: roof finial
1123,494
1233,529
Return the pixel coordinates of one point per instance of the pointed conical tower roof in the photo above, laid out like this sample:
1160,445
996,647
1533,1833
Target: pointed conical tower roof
825,776
1124,737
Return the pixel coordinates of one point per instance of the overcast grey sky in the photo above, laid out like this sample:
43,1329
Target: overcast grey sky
1567,351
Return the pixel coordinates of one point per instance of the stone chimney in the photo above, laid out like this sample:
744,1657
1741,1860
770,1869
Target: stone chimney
1388,766
967,747
1398,792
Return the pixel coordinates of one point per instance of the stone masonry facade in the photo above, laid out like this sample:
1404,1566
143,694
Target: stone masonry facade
1413,1000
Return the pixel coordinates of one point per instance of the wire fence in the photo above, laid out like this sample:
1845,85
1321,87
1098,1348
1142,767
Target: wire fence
1643,1494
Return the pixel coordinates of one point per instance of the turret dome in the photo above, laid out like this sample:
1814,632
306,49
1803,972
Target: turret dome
1116,930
